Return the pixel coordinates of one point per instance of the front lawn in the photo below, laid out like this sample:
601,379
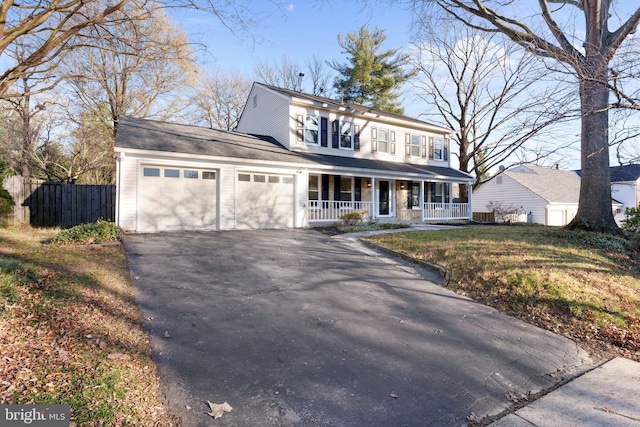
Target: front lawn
583,285
70,332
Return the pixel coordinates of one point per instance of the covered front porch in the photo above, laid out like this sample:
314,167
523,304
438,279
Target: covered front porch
384,199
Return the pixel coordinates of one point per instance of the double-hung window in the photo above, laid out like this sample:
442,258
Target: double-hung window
415,195
314,187
383,140
346,189
346,135
438,145
415,145
311,129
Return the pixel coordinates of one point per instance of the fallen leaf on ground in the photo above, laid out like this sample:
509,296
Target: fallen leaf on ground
218,409
166,334
118,356
395,396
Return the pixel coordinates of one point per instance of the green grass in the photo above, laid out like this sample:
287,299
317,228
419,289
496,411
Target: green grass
583,285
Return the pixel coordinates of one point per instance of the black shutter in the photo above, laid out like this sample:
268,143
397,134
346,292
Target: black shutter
356,138
300,128
446,150
410,196
336,187
358,189
334,134
325,187
447,194
324,124
407,145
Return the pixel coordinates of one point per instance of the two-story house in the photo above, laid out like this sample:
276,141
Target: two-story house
296,160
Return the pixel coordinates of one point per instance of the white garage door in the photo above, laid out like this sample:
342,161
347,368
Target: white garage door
174,198
264,201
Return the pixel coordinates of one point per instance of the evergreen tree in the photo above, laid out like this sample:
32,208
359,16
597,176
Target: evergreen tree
371,77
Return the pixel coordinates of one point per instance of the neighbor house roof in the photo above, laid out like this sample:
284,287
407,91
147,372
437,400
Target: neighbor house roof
553,185
625,173
142,134
350,107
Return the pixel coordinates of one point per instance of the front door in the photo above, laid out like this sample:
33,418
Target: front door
384,198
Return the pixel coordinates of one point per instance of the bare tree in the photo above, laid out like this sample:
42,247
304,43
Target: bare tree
138,68
287,74
490,94
588,54
321,76
220,99
52,28
282,73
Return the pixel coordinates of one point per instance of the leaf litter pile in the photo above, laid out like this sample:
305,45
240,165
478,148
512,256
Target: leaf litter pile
70,333
585,286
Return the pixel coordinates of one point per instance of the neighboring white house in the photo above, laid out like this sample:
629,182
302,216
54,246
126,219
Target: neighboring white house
297,160
541,195
625,188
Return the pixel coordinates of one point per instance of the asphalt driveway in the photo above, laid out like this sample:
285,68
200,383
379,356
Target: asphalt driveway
294,328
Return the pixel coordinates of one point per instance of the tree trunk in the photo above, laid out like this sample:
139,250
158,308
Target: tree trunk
27,146
594,209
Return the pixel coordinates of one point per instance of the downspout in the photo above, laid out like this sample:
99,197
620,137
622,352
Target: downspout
470,200
119,158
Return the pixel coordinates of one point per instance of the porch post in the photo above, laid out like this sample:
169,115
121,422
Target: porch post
422,199
373,197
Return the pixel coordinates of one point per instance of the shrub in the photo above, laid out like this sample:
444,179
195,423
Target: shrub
6,202
632,223
95,232
352,218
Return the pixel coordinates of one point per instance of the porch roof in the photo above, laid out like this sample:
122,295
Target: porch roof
370,166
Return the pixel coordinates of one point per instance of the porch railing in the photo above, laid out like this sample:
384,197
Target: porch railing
445,211
329,210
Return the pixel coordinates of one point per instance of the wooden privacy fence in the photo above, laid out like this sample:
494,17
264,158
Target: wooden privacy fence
48,204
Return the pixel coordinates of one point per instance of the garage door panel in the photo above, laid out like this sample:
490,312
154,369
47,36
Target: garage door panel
266,201
171,201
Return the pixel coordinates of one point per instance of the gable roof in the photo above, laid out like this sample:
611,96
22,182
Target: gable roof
348,106
143,134
553,185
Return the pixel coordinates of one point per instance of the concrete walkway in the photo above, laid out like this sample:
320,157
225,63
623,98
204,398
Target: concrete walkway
294,328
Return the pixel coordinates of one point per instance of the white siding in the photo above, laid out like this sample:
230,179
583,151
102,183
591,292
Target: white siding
625,193
511,194
267,115
227,197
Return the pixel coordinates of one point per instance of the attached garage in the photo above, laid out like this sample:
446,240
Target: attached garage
264,200
173,198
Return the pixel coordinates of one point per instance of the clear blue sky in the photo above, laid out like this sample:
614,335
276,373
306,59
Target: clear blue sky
300,30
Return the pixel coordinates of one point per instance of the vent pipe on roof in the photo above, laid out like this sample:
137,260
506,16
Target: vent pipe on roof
300,82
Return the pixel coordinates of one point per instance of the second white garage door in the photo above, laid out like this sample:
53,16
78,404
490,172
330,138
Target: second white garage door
264,200
174,198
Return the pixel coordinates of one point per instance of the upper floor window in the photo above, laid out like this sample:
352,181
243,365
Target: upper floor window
346,137
383,140
439,148
311,130
415,145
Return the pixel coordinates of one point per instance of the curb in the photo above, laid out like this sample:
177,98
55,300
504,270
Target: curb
443,272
